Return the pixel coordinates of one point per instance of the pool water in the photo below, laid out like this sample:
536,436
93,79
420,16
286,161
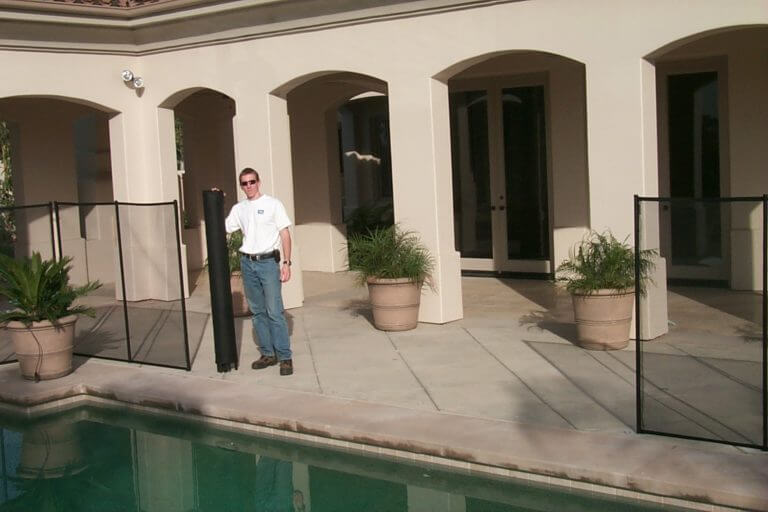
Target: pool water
93,458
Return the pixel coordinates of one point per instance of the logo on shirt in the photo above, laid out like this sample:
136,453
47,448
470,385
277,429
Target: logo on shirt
260,212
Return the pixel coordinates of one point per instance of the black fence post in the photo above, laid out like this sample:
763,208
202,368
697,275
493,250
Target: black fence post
224,340
181,284
122,281
765,321
638,344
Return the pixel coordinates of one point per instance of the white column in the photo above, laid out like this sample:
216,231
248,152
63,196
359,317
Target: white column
144,170
421,177
263,141
747,124
316,169
622,156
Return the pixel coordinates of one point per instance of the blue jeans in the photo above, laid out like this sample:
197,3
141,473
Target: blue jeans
261,280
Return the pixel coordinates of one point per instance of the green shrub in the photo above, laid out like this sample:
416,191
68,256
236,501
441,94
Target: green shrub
389,253
601,262
39,289
370,217
234,242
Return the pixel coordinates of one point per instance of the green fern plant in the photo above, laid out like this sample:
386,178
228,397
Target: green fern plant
389,253
601,262
39,289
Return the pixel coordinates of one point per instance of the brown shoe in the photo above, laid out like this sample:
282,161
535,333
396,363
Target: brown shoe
286,367
263,362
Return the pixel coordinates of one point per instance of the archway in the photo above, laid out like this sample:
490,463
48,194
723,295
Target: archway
712,117
60,151
519,158
341,162
205,158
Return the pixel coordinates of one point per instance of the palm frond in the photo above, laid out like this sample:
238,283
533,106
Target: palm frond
389,253
39,289
600,261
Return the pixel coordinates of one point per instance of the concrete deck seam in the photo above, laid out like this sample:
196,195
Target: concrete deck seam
529,388
657,388
675,399
721,371
193,356
155,328
405,362
311,353
576,385
161,322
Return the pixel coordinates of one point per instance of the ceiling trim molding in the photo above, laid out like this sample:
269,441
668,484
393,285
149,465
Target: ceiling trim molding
230,22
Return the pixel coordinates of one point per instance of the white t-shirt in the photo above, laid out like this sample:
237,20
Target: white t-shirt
261,221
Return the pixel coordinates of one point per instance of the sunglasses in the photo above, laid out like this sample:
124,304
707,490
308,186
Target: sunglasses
246,183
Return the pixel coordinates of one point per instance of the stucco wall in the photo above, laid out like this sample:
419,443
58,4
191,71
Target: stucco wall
415,56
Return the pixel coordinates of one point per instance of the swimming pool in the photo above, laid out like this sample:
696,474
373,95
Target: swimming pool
107,458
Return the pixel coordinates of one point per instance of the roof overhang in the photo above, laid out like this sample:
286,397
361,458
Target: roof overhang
168,25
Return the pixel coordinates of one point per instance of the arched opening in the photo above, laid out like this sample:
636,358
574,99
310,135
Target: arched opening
711,120
519,159
712,117
59,151
205,158
342,174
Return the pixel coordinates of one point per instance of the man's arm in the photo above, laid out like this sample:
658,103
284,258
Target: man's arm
285,264
231,223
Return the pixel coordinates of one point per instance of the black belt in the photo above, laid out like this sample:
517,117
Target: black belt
271,255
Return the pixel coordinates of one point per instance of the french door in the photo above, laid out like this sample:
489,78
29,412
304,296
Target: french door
694,235
500,175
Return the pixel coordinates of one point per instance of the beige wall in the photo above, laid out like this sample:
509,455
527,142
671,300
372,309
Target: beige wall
209,161
312,108
741,58
563,79
415,56
61,153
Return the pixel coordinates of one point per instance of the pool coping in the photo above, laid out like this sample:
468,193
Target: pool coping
690,474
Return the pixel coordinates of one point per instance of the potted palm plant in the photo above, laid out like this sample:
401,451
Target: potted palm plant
41,321
600,275
395,265
239,300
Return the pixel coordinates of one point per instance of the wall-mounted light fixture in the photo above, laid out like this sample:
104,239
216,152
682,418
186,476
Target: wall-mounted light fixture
132,80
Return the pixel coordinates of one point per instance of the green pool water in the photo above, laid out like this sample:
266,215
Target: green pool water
93,458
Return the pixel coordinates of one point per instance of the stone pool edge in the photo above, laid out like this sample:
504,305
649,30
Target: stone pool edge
628,465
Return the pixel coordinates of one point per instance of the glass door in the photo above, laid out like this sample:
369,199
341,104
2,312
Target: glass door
693,237
526,215
500,191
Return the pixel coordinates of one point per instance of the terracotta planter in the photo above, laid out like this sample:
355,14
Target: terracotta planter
395,303
44,348
239,302
603,319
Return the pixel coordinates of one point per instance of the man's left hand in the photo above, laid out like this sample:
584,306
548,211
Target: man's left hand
285,272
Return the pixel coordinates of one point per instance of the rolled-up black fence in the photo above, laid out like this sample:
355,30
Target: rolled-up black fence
702,341
135,251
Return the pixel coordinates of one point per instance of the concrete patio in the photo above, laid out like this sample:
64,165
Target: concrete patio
504,388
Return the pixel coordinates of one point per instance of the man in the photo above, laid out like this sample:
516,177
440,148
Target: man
264,224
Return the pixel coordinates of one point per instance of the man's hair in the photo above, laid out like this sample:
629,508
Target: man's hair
249,170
